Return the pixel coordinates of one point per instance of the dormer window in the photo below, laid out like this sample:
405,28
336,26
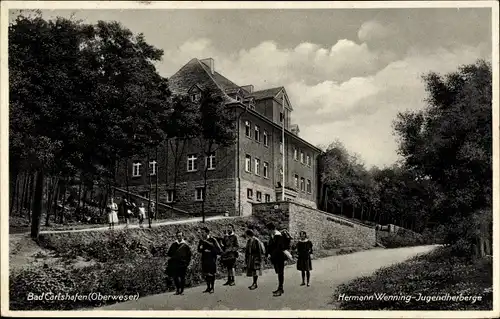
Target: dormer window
195,97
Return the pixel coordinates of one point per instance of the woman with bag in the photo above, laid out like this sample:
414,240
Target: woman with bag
209,248
254,253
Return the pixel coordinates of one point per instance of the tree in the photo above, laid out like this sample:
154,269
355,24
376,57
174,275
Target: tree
450,143
218,130
79,93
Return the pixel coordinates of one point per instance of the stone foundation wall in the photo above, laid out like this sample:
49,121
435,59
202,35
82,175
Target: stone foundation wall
326,231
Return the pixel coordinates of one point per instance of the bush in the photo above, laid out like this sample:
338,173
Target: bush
435,274
402,238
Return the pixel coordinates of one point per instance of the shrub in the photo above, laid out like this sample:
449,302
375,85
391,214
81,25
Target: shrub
402,238
434,274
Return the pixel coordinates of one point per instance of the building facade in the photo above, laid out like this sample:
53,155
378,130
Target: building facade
250,171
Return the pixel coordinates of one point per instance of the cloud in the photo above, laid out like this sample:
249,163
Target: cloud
374,30
348,91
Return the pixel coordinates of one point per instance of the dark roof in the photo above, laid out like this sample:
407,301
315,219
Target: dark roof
190,74
267,93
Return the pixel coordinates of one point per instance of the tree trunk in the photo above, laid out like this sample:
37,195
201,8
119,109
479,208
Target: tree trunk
127,179
32,196
37,205
156,182
24,193
79,192
362,211
47,200
65,197
26,203
55,197
149,197
13,182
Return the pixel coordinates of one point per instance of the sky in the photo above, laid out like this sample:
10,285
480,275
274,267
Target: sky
348,72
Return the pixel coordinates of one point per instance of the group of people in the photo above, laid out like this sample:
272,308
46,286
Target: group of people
227,247
129,210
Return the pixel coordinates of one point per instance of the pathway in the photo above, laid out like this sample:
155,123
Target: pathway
327,274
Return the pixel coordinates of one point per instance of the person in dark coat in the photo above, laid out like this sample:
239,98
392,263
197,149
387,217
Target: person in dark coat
179,255
230,254
275,250
209,248
304,252
254,253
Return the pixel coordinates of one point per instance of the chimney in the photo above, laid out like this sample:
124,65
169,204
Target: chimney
248,88
210,63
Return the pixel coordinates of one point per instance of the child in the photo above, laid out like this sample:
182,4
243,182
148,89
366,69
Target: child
142,214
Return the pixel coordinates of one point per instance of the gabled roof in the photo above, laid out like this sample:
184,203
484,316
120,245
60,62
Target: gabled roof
267,93
273,93
192,73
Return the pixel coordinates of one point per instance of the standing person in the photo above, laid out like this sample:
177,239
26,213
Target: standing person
253,257
112,213
179,255
304,252
276,248
209,248
142,215
230,254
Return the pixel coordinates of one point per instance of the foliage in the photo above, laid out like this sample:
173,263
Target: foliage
450,144
435,274
80,96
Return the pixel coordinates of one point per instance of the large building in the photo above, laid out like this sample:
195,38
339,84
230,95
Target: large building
250,171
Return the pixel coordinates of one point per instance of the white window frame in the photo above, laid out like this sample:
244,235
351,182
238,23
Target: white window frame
258,196
170,196
265,168
210,162
136,169
248,129
192,158
309,186
195,97
199,194
295,154
302,184
266,138
302,156
248,163
154,166
257,166
296,181
257,133
308,160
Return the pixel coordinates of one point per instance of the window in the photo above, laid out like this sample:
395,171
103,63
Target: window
281,144
170,196
267,198
249,193
257,166
259,196
281,117
257,133
136,169
195,97
295,154
302,184
210,161
248,163
302,157
191,163
247,129
152,167
266,170
296,180
266,140
308,160
199,194
309,187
